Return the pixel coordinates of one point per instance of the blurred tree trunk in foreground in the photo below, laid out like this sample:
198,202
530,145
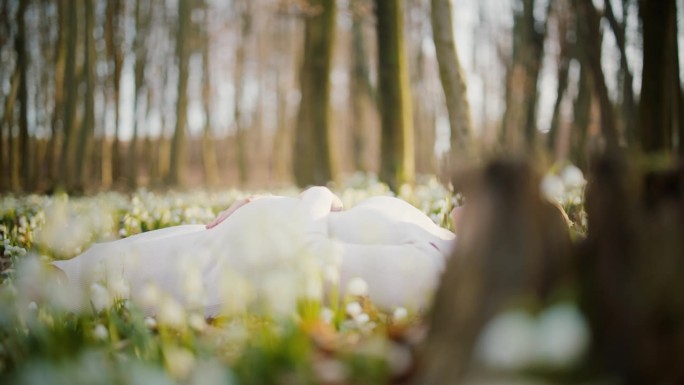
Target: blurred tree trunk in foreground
514,244
313,159
631,269
177,160
397,165
660,93
453,81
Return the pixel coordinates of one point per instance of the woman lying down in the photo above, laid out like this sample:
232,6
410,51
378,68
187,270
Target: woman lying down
274,250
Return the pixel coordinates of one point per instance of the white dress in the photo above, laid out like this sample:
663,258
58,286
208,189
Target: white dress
397,250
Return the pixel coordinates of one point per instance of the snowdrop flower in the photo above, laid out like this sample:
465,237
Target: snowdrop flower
357,287
362,318
327,315
150,322
179,362
552,187
99,297
197,322
573,176
354,309
150,296
120,289
399,314
100,332
32,306
171,313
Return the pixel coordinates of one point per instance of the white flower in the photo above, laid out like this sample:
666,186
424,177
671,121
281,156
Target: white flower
99,297
179,362
357,286
572,176
197,322
552,187
150,296
171,313
508,341
150,322
120,289
100,332
354,309
362,318
562,335
327,315
399,314
32,306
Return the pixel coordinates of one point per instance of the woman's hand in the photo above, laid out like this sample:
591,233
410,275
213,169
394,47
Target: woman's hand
223,215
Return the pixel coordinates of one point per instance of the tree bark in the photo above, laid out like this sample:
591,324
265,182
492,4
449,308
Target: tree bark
659,107
68,130
520,116
590,34
397,164
112,169
7,126
88,123
22,64
453,81
361,94
208,151
142,19
629,107
177,162
313,160
243,9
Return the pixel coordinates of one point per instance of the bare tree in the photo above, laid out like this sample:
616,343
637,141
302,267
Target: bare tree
177,162
453,81
397,158
313,161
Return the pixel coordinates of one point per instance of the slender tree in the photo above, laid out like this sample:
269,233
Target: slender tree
590,34
22,65
142,20
208,151
362,94
177,160
243,11
451,75
111,165
88,122
520,116
397,158
313,160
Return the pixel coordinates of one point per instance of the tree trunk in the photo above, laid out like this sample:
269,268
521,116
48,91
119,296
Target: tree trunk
361,94
243,9
453,82
520,116
629,107
208,151
142,19
397,164
581,120
659,109
8,127
88,123
112,165
22,64
58,108
313,160
590,34
177,162
70,85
